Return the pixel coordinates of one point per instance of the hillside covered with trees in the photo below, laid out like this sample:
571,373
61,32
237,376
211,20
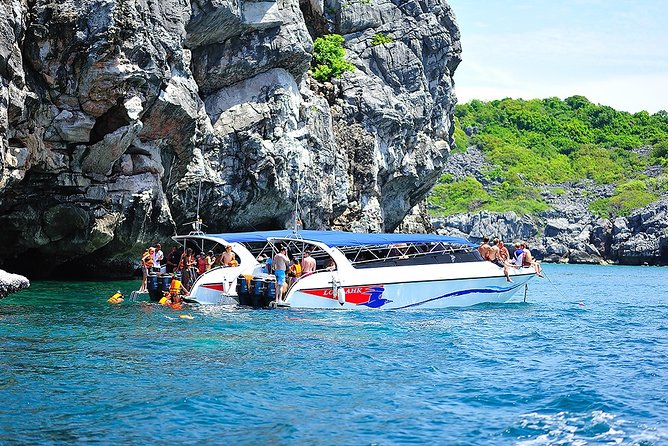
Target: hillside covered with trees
537,148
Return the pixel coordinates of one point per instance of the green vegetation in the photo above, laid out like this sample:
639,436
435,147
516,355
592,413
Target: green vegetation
628,196
468,195
329,58
381,39
537,142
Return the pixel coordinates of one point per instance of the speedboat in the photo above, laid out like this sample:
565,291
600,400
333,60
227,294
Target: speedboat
354,271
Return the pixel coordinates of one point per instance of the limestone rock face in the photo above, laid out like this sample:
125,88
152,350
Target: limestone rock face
114,114
575,237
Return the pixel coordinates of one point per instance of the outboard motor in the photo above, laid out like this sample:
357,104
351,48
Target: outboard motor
242,291
257,292
154,288
165,283
269,291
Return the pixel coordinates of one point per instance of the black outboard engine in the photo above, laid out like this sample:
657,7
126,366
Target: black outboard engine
269,291
257,292
154,287
242,291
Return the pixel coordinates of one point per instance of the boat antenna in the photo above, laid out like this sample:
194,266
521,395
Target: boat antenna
199,195
197,224
296,220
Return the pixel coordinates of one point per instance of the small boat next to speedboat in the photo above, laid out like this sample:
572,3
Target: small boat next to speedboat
354,271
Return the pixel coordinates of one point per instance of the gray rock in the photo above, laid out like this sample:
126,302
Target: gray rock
11,283
577,256
129,106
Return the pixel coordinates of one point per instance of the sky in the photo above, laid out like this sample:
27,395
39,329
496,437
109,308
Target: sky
613,52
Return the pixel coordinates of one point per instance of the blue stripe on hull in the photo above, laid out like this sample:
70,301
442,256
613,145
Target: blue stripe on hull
464,292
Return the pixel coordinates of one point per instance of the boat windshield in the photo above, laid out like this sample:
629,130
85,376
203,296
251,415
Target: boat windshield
375,256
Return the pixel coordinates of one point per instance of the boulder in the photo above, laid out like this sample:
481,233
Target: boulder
11,283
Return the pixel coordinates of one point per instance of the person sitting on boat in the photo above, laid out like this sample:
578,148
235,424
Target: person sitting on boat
528,260
308,263
495,258
146,265
280,265
173,260
518,254
503,252
485,248
228,256
330,265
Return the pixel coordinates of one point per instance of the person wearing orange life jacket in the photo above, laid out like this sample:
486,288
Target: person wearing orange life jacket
172,298
146,265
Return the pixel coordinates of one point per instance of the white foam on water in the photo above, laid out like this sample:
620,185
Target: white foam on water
565,428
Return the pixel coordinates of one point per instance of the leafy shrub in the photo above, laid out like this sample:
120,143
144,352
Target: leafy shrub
462,141
537,142
628,196
660,153
329,57
462,196
381,39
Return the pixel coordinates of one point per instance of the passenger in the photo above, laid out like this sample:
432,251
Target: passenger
528,260
173,260
330,265
518,255
495,258
217,260
210,258
158,256
146,265
228,256
308,263
295,270
201,263
188,270
280,265
262,260
268,266
503,252
484,248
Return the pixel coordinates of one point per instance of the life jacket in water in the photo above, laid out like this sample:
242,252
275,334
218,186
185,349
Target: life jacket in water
117,298
175,287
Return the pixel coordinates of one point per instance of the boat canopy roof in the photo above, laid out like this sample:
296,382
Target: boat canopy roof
338,238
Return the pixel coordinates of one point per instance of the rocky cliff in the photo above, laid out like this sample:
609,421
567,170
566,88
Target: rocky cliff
568,232
113,113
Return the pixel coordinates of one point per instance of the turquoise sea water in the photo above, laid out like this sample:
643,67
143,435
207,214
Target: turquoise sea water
584,361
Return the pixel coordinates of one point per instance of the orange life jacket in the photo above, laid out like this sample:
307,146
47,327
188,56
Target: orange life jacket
147,259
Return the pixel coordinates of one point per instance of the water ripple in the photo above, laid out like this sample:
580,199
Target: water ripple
585,365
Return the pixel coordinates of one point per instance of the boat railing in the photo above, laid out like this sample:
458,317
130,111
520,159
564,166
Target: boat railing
408,253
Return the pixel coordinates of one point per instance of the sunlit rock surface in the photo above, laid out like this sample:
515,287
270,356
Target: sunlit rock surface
113,113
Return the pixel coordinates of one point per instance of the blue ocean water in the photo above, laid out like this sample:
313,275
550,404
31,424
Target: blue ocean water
583,362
